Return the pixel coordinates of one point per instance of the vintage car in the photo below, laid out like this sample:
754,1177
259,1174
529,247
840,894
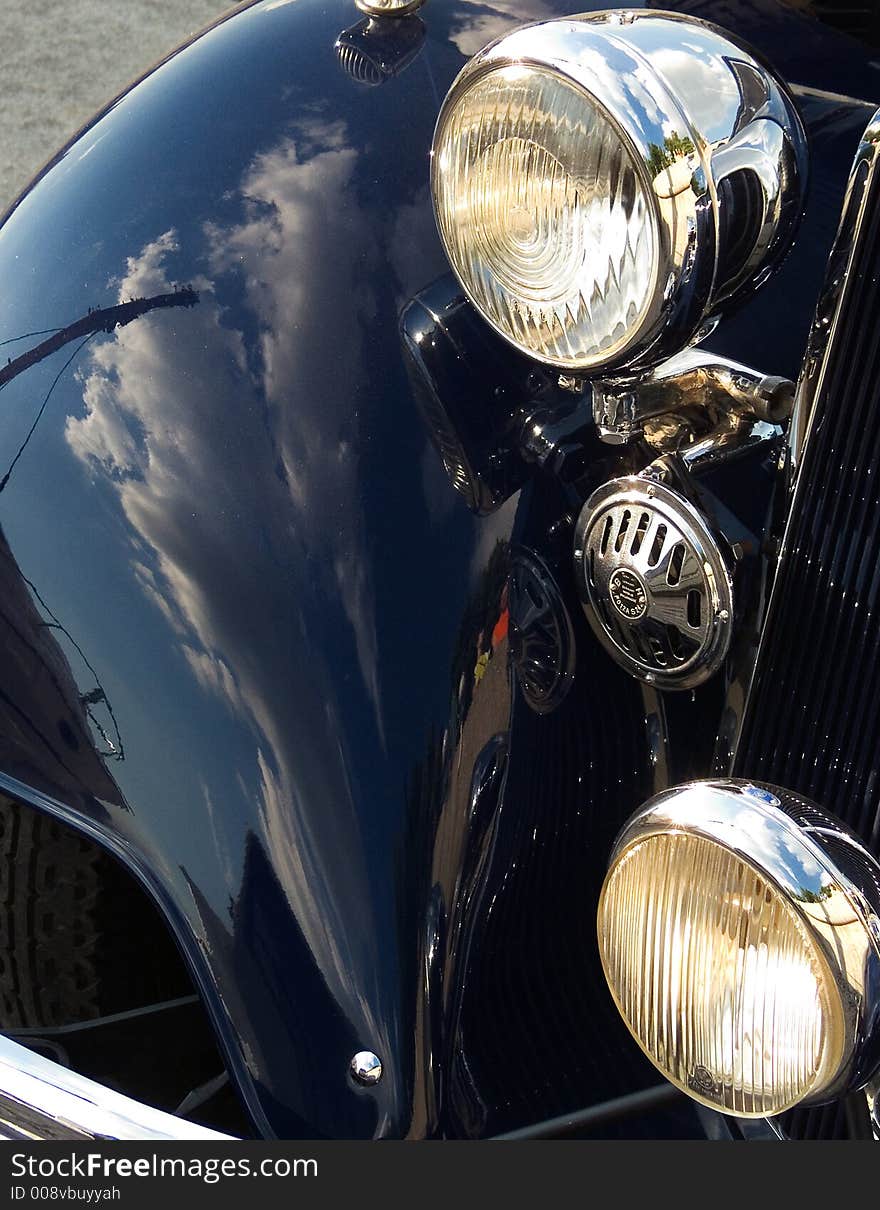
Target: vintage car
440,582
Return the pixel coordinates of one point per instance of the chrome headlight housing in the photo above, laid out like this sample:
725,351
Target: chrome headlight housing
603,184
739,933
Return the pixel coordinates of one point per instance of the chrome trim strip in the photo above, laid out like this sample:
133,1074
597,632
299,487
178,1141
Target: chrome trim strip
837,281
42,1100
820,344
632,1104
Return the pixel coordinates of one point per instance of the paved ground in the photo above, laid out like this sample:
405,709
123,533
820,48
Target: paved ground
62,59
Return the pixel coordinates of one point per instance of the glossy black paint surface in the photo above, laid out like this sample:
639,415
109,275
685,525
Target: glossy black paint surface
255,640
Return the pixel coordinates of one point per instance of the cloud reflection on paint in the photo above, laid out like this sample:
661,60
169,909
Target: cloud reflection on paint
159,423
476,25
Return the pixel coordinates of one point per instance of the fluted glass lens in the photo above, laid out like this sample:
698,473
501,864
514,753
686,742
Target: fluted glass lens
717,977
544,217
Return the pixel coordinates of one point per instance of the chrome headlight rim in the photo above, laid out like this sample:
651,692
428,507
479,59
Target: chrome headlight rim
733,814
591,54
554,47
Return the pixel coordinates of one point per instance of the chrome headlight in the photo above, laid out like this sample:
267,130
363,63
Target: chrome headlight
602,184
738,929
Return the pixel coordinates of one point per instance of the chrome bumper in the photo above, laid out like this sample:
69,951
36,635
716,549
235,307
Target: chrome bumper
40,1099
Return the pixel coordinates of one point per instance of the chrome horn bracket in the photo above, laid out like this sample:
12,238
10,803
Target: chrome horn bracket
623,409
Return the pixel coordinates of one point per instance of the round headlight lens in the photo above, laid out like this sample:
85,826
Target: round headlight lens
544,214
605,184
717,975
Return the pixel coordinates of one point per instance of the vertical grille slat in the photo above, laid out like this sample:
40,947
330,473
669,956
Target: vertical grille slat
812,721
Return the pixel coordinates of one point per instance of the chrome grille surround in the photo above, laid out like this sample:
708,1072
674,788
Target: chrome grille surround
811,717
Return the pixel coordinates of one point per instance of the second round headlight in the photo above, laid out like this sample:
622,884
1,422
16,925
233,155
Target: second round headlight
738,933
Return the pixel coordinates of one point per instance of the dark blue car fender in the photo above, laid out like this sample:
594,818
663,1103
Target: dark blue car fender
234,567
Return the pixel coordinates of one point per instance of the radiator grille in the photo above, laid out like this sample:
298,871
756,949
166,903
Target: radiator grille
813,720
539,1033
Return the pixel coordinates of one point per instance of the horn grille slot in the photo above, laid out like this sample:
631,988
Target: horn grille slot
654,583
358,65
